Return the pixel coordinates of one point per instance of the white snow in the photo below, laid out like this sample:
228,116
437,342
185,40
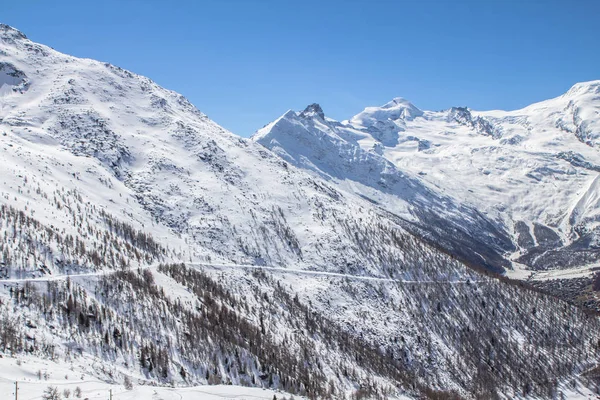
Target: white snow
24,370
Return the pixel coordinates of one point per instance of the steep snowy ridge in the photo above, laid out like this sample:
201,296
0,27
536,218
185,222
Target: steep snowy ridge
141,242
584,108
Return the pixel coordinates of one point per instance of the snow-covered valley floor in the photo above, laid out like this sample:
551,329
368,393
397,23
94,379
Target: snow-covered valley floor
24,370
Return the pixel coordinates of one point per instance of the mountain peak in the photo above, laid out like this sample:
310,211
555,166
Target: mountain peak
407,109
398,101
397,109
592,87
312,110
10,33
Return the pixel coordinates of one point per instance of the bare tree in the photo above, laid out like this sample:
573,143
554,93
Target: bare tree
51,393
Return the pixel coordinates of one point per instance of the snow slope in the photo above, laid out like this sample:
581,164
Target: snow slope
97,137
25,370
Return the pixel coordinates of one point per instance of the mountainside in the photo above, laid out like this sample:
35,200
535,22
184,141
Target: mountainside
530,174
141,242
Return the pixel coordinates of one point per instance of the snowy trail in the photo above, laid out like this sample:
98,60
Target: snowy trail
244,266
65,276
325,273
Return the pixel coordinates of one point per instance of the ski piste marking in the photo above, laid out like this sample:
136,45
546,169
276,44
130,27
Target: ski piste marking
241,266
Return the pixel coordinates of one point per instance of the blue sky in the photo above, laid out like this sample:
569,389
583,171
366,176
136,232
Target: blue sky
245,62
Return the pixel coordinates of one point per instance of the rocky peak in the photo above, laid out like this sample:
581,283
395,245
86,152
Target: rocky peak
313,110
10,34
590,87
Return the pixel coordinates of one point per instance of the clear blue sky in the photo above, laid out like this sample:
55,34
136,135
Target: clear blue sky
245,62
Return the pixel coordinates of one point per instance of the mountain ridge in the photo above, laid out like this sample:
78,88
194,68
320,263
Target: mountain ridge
442,149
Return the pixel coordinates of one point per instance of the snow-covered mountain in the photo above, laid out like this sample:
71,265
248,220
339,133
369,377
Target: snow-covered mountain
141,242
330,150
530,174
